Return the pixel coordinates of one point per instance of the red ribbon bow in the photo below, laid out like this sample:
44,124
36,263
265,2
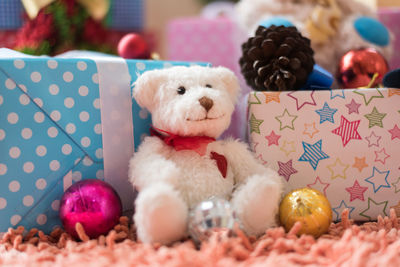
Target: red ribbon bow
196,143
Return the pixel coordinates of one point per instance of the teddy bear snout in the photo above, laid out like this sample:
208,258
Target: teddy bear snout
206,102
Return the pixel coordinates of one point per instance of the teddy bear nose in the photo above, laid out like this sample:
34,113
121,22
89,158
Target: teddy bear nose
206,102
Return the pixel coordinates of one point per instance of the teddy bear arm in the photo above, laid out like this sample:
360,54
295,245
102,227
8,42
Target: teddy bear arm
243,162
150,165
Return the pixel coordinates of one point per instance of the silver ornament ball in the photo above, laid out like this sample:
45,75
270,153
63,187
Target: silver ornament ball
209,216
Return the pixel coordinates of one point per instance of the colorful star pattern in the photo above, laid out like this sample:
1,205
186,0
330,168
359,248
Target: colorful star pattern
255,124
273,139
395,132
374,206
272,96
375,118
286,120
338,210
353,107
313,153
347,148
310,130
338,169
359,163
319,185
286,169
396,185
377,178
378,94
337,93
373,139
381,156
393,92
288,147
326,113
303,99
356,191
347,130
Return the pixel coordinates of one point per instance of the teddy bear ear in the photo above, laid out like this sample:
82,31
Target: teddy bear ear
230,81
146,87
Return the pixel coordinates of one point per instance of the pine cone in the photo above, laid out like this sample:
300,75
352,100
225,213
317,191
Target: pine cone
277,59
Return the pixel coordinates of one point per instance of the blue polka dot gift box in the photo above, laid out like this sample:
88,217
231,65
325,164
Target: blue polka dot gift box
63,120
344,143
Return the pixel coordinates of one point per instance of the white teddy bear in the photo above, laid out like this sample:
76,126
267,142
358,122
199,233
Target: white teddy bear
328,23
182,164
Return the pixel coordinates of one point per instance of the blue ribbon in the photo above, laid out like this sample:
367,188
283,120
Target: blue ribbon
319,79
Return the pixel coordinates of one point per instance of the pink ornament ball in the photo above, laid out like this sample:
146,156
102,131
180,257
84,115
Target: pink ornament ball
94,204
133,46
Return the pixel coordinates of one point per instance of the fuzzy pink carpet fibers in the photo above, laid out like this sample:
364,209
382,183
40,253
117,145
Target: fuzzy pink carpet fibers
346,244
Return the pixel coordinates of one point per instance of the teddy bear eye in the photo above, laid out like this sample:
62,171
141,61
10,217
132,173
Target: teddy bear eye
208,86
181,90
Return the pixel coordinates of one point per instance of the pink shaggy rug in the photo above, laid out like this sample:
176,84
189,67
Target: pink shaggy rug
346,244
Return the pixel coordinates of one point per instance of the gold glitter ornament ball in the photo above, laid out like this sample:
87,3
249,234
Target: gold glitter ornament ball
308,206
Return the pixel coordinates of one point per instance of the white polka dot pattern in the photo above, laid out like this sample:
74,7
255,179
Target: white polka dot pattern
52,64
15,152
24,100
28,200
14,186
41,184
15,219
36,77
41,219
53,89
68,76
55,205
3,203
45,131
19,64
10,84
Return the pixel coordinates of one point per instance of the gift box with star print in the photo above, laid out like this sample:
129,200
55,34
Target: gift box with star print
345,143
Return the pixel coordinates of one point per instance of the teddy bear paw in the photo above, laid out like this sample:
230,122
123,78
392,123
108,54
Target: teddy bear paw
161,215
256,204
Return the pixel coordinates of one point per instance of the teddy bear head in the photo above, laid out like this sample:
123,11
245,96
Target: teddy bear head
188,101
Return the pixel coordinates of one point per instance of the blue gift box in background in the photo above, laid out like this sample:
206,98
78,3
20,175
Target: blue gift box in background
11,12
126,15
63,120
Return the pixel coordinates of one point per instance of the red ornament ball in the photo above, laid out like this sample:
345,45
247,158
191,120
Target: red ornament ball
358,67
133,46
94,204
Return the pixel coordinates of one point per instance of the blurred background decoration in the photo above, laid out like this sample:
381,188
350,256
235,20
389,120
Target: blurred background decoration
162,23
147,17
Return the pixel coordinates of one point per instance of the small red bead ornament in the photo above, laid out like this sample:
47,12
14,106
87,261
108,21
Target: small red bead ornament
133,46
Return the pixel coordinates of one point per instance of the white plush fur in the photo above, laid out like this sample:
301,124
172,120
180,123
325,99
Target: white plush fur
251,12
171,182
